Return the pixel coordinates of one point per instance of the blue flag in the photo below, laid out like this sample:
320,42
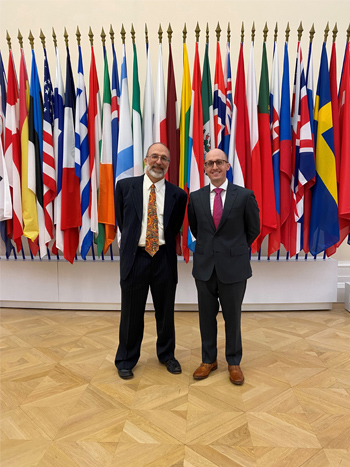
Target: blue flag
324,224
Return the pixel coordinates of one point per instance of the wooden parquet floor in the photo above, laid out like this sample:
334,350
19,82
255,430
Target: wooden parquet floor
63,404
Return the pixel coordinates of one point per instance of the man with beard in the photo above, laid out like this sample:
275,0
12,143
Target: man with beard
149,211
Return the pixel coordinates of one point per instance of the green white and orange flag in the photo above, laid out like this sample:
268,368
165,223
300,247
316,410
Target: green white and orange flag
184,136
29,210
106,215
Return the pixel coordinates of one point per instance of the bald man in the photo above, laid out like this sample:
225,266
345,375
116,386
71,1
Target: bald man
224,218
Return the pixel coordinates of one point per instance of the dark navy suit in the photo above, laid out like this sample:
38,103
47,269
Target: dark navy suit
221,264
140,272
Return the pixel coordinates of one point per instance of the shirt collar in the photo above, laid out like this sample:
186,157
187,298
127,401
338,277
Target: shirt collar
223,186
148,183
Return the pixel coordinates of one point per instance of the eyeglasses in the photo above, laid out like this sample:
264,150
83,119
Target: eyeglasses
218,162
163,159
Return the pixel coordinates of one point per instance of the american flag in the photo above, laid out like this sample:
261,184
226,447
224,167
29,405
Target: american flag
49,173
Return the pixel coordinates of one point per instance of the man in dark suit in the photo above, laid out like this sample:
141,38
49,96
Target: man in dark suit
224,219
149,211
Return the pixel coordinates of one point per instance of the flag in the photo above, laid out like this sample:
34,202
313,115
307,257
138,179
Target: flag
106,213
219,101
3,90
252,105
5,194
344,125
160,123
82,161
324,224
148,108
335,121
239,149
136,119
35,151
71,211
94,133
195,174
12,152
125,160
228,112
285,153
173,134
207,104
275,235
303,162
49,173
184,141
29,210
115,112
307,192
269,215
58,151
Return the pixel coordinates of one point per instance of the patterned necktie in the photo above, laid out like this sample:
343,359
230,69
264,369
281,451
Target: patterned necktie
217,208
152,237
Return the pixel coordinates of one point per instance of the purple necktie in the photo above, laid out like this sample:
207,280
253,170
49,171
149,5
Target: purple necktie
217,208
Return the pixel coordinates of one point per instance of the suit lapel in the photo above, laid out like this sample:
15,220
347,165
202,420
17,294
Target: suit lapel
169,202
205,198
137,195
231,196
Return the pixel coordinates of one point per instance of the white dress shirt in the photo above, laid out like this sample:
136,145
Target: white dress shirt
223,194
160,197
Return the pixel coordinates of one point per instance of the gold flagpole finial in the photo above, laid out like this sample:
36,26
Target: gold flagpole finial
65,35
111,34
276,33
228,33
335,32
312,32
160,34
265,31
207,34
132,32
218,32
91,36
300,31
287,32
242,33
184,34
20,39
326,31
31,40
78,35
146,33
123,33
54,37
170,33
103,37
348,34
253,32
197,31
8,39
42,38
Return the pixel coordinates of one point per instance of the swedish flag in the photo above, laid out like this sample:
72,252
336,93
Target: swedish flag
324,225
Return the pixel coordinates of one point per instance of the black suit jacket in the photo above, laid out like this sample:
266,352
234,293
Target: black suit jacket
128,211
227,247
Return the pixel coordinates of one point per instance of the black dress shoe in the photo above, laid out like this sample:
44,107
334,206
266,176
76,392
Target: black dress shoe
173,366
125,374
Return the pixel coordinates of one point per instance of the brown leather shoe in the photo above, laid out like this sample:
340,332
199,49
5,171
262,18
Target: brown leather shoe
236,375
204,369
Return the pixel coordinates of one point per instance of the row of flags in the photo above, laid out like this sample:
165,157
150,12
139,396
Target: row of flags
62,152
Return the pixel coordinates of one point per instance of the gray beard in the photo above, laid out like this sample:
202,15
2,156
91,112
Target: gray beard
156,174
